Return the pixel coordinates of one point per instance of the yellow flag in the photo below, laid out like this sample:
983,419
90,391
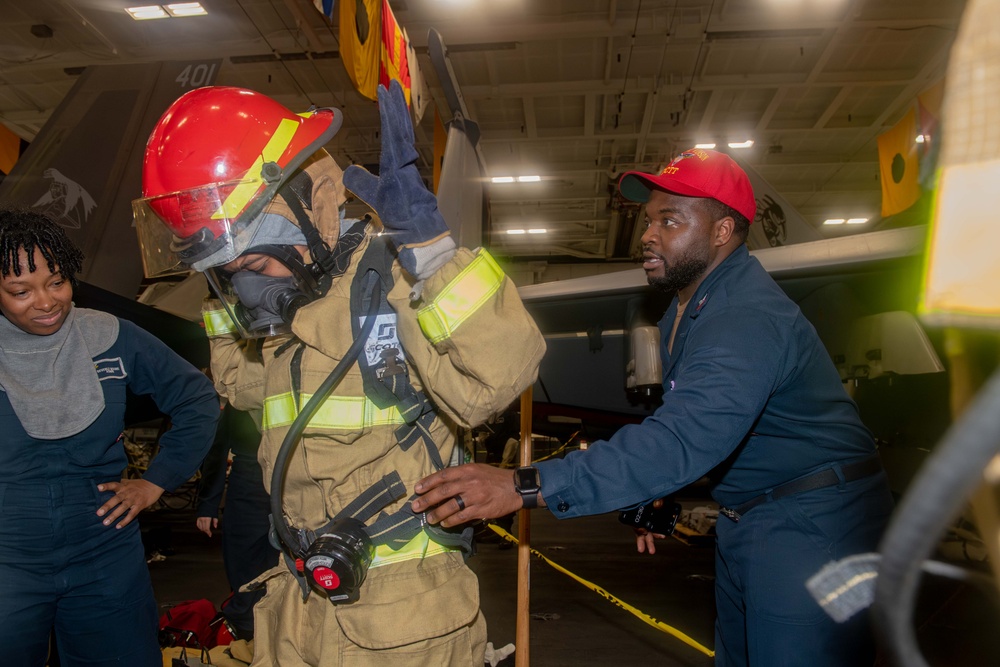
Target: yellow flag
361,43
898,165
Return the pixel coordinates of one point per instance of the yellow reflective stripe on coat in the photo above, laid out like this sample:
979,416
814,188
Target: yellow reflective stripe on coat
245,191
337,412
462,297
218,322
421,546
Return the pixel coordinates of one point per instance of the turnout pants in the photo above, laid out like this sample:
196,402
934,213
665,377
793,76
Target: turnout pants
416,613
766,617
62,569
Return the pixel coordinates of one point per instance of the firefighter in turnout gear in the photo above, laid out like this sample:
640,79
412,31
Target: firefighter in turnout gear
362,344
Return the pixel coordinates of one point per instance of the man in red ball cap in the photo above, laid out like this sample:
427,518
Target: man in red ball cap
750,398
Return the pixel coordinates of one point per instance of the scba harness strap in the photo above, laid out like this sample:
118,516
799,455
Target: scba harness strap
384,372
386,382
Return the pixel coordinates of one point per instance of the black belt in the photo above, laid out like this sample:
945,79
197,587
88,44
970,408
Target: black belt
817,480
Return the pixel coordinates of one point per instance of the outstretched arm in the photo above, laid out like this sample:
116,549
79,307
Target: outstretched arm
486,492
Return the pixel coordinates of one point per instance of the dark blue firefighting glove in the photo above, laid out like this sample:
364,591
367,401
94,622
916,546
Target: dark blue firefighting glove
408,210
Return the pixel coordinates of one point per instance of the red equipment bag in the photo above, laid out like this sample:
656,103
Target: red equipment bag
191,623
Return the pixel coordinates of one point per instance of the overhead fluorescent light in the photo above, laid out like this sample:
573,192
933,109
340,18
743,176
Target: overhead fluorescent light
537,231
741,144
705,146
185,9
147,12
520,179
174,10
849,221
515,231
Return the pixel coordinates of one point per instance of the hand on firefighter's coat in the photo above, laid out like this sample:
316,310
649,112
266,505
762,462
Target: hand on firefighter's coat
408,210
486,492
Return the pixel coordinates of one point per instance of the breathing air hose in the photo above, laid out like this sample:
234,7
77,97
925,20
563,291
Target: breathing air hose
935,497
306,414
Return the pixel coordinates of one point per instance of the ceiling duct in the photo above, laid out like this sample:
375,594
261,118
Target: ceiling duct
720,35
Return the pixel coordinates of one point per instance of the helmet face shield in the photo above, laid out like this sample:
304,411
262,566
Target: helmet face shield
215,236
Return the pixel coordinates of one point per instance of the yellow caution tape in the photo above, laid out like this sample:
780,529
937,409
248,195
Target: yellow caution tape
645,618
561,448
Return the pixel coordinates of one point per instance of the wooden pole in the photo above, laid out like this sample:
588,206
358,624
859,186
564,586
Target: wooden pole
522,634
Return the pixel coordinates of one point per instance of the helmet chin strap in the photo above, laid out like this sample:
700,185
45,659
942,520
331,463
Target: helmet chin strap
297,193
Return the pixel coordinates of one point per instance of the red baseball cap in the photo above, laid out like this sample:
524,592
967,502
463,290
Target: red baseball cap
696,173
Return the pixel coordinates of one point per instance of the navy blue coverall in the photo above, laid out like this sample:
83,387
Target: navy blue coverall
60,567
751,395
246,550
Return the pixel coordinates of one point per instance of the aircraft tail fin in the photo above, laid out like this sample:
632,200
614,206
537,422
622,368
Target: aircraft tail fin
777,223
85,166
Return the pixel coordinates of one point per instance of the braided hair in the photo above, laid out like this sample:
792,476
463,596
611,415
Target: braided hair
24,229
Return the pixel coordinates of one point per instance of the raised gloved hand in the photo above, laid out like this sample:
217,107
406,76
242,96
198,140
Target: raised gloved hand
408,210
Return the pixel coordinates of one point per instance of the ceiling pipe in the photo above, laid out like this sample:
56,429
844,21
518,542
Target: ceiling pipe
301,24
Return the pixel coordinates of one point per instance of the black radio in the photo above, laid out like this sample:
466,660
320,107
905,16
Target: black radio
659,516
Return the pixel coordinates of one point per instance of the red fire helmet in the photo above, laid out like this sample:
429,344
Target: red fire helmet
219,154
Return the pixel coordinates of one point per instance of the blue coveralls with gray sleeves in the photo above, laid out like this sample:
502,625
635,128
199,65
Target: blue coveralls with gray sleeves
60,567
751,398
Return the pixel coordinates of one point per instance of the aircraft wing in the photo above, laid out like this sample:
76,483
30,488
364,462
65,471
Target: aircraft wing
590,323
461,192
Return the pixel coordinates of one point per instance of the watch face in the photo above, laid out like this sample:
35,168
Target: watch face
526,480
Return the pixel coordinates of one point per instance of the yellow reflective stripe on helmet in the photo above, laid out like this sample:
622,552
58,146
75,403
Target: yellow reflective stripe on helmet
245,191
337,412
462,297
421,546
218,322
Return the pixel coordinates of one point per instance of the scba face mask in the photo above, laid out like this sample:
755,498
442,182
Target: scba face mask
268,303
263,305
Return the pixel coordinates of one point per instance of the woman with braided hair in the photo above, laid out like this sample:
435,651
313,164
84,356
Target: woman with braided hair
71,557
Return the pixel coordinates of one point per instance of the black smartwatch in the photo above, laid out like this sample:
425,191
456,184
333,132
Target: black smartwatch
526,483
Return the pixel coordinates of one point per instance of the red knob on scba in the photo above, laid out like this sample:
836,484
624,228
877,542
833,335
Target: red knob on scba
326,578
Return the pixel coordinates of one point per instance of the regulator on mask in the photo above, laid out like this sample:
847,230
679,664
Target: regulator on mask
263,305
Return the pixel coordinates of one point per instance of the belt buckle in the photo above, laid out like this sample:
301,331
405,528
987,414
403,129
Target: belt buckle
730,513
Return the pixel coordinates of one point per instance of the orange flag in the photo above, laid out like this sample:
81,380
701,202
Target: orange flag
394,64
